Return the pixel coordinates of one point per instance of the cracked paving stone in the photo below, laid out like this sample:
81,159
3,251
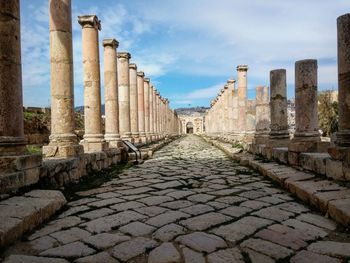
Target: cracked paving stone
202,242
133,248
72,250
205,221
105,240
70,235
165,253
273,213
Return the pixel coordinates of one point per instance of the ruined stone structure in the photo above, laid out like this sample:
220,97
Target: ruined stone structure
193,124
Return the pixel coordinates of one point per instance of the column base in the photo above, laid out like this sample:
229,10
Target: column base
113,140
19,171
94,143
12,146
62,151
301,144
261,138
343,138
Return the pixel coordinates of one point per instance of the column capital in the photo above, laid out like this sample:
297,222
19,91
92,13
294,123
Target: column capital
242,68
226,87
147,80
222,91
125,55
141,74
110,42
133,66
89,21
231,81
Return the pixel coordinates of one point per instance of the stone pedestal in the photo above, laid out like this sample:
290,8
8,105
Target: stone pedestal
147,109
242,98
63,140
124,96
93,138
279,134
262,115
134,122
17,167
341,150
141,106
111,94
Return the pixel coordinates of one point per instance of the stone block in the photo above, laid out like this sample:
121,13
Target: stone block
293,158
280,154
315,162
334,170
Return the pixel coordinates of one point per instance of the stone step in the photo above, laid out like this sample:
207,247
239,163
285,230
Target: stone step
328,196
20,214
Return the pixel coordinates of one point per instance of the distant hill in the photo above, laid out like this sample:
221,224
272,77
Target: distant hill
191,111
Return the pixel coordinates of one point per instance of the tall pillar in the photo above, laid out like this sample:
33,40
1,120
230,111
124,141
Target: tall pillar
157,114
124,96
93,138
279,134
141,106
16,168
242,97
306,133
225,102
147,108
231,90
63,140
262,115
134,122
111,93
151,112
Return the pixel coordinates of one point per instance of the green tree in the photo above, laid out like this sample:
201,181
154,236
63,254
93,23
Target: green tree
327,113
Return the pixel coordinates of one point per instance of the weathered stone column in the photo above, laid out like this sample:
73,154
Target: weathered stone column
262,115
151,112
134,122
16,168
124,96
231,90
279,134
306,133
242,97
157,115
93,138
141,106
147,108
63,140
225,102
111,93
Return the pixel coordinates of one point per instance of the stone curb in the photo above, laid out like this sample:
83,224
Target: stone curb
20,214
330,198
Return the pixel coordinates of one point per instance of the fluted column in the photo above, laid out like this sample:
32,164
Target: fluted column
242,97
111,93
279,134
93,138
141,106
134,122
262,126
63,140
124,96
147,108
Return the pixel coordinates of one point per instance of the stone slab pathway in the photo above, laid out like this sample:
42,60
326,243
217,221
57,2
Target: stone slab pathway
190,203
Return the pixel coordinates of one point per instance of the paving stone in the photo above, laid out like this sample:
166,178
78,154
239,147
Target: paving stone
70,235
106,202
134,197
175,205
254,204
165,253
43,243
155,200
172,184
218,205
240,229
256,257
127,206
151,210
232,255
105,240
105,224
205,221
107,195
310,257
166,218
317,220
202,242
197,209
331,248
267,248
130,249
102,257
137,229
32,259
191,256
312,231
273,213
293,207
168,232
74,210
97,213
72,250
235,211
180,194
200,198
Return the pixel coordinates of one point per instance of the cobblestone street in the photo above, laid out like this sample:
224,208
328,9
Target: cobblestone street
190,203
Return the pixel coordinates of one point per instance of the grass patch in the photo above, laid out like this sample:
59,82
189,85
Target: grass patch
34,149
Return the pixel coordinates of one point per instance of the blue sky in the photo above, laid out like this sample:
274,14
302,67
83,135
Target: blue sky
190,48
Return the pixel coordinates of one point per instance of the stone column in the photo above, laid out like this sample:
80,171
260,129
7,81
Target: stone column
231,90
262,126
111,93
124,96
306,133
134,122
279,134
151,112
16,168
157,115
141,106
63,140
225,102
242,97
93,138
147,108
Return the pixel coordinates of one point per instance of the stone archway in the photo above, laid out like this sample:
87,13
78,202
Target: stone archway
189,128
